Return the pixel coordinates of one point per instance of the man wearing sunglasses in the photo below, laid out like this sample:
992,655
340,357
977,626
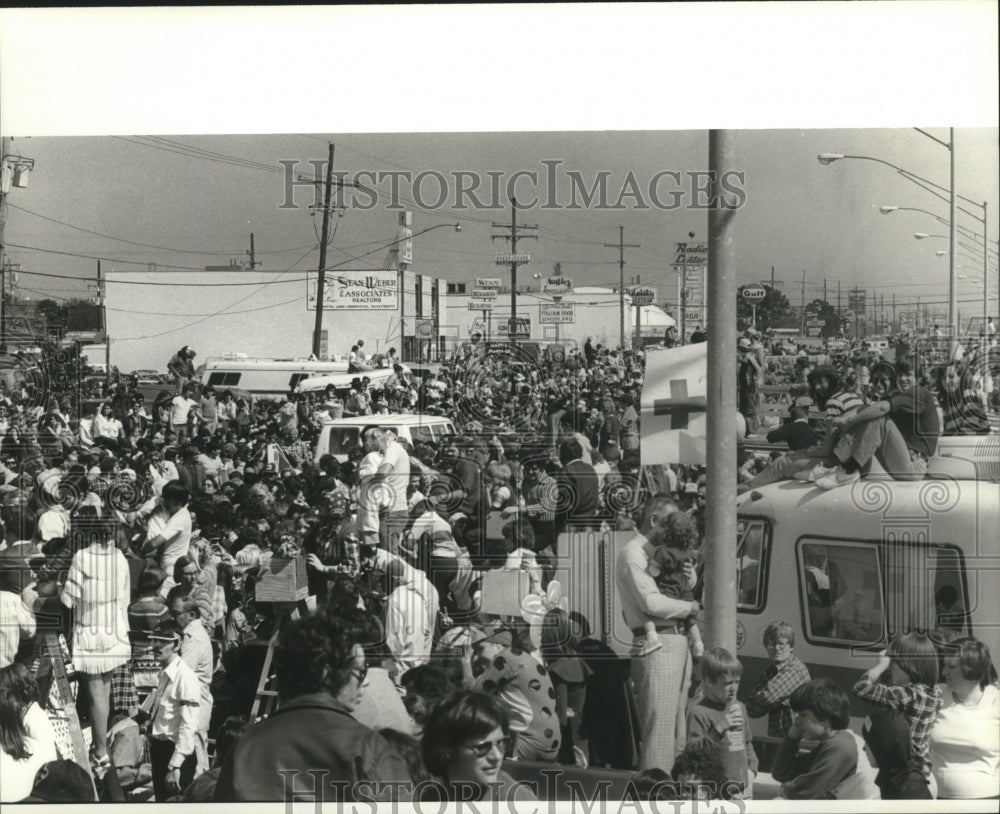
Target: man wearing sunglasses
311,749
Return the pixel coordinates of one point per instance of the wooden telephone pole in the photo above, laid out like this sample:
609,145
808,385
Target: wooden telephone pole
622,245
513,238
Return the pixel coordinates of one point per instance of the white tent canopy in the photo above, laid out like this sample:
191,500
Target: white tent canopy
650,316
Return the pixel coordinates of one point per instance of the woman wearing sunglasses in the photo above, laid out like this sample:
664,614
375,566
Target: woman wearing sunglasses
465,739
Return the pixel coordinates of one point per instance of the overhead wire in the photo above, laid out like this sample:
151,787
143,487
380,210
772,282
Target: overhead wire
145,245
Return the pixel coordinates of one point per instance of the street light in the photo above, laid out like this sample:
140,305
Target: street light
886,210
829,158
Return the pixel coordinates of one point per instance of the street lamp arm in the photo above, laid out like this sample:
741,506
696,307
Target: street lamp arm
932,137
919,180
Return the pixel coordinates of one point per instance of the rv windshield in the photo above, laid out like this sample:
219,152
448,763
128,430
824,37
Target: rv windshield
344,439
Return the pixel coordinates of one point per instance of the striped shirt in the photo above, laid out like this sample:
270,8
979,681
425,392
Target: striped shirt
842,403
965,415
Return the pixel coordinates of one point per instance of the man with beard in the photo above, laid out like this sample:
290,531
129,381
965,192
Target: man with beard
900,430
810,464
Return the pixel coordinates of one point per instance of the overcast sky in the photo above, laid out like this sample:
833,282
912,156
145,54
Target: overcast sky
193,200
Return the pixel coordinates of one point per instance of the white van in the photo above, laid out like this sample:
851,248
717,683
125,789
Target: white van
848,568
341,382
339,436
269,378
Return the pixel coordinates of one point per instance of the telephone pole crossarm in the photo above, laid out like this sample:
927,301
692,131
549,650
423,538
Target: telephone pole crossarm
514,228
621,245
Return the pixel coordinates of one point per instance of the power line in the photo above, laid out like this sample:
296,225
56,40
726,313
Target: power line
221,312
145,245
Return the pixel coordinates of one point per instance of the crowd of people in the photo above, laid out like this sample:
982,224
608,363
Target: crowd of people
138,543
855,406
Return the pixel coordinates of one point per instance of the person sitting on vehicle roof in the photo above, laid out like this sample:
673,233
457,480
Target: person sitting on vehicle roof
356,361
829,394
901,431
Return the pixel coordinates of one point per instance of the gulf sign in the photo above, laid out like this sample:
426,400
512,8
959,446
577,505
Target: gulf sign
753,293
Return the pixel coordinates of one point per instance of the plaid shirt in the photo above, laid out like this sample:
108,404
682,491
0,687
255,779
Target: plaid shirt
298,452
920,705
770,695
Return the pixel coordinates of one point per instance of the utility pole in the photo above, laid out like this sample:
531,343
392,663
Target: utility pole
512,237
893,310
802,328
321,273
840,323
253,260
622,245
720,369
104,325
3,304
638,320
4,144
14,170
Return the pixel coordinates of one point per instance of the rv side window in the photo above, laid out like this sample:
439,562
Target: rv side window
841,591
296,378
925,588
421,434
224,379
952,601
752,549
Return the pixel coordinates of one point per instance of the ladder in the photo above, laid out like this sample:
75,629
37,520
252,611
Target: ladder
51,649
265,700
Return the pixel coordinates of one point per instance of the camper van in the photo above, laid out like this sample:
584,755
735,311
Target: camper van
851,567
339,436
268,378
341,381
848,568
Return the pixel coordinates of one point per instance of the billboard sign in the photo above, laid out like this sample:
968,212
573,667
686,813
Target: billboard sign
557,286
356,291
641,296
523,327
562,313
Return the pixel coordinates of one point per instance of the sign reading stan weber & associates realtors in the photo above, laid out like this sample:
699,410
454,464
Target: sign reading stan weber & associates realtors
356,291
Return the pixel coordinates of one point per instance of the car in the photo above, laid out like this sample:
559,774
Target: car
339,436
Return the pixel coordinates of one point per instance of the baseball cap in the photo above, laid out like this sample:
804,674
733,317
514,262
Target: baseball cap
167,631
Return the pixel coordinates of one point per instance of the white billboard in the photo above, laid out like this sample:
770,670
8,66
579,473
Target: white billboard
356,291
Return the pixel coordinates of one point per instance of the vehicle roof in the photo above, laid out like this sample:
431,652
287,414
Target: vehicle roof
402,419
273,364
948,509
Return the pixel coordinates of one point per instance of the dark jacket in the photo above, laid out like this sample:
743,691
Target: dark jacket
579,489
312,733
798,434
899,775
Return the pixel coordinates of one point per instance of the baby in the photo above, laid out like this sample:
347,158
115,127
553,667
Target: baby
681,544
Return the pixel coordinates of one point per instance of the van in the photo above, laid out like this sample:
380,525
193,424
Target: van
339,436
268,378
341,381
848,568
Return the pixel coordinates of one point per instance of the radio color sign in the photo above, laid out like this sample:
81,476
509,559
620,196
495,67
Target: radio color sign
356,291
